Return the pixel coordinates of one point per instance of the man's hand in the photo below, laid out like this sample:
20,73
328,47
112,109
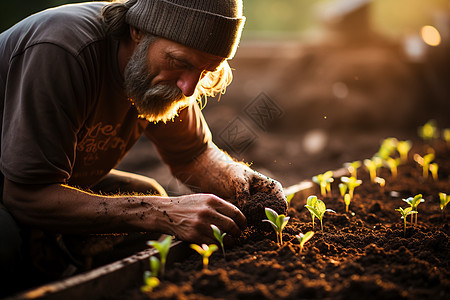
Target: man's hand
189,217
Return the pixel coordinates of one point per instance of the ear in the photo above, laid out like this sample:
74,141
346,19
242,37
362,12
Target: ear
136,34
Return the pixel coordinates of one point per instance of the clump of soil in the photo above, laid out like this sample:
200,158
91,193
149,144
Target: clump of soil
253,209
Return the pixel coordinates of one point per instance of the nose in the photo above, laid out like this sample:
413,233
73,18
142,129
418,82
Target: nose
188,81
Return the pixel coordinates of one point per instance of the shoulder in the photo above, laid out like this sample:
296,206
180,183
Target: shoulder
71,27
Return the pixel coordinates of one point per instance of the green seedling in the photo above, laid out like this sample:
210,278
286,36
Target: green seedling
405,212
352,167
381,182
163,248
446,135
347,200
317,209
278,222
429,131
414,202
392,164
372,166
324,181
387,148
151,280
444,199
424,162
342,188
219,237
303,238
351,183
434,171
289,198
205,251
403,148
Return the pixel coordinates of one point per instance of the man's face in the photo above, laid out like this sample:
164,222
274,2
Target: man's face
161,75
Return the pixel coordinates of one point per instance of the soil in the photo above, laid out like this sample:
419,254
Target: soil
363,253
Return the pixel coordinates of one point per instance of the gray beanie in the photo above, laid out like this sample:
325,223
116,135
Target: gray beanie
211,26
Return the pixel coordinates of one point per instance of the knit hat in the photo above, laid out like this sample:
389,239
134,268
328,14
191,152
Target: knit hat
211,26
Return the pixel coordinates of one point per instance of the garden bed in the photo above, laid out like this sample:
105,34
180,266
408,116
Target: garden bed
363,253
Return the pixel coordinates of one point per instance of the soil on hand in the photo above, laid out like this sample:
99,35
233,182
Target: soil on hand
364,253
253,209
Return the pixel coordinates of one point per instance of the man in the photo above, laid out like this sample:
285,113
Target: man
78,90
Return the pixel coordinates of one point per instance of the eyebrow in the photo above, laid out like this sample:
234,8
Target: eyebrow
189,64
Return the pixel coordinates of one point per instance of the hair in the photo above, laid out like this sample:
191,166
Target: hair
214,83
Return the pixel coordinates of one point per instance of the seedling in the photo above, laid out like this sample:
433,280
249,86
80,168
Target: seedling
324,181
434,171
405,212
446,135
205,251
351,183
352,167
347,200
278,222
373,165
151,280
424,162
429,131
387,147
403,148
289,198
303,238
163,248
342,188
381,182
414,202
444,199
219,237
317,209
393,164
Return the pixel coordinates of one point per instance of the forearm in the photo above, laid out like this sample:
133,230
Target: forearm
65,209
210,172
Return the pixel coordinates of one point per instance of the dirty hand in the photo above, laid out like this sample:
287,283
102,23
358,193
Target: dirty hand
189,217
246,182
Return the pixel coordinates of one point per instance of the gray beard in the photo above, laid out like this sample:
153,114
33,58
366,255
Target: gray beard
155,103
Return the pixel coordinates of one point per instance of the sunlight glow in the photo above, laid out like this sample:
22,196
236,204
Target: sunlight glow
430,35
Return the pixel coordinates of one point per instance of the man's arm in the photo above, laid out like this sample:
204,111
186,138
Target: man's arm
215,172
64,209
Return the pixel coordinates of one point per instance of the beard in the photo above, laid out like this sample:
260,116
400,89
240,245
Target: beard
155,103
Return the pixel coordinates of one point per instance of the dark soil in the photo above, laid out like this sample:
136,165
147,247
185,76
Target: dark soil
253,209
361,254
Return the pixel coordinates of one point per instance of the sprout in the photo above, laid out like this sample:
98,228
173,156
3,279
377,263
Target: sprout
278,222
434,171
324,181
303,238
429,131
446,135
342,188
289,198
373,165
205,251
151,277
444,199
387,147
381,182
392,165
414,202
424,162
352,168
219,237
352,183
347,200
317,209
405,213
403,148
163,248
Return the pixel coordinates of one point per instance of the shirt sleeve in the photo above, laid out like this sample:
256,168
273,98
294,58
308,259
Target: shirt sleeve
43,110
183,139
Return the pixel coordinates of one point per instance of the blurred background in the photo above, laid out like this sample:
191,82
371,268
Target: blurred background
317,83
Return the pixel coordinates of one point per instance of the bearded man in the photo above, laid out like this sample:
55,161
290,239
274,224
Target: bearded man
80,84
